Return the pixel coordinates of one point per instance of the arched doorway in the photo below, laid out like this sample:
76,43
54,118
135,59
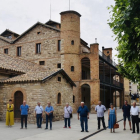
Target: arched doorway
85,62
18,100
116,99
85,92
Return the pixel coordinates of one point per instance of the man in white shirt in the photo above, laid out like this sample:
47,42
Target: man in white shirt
135,117
39,114
100,109
67,112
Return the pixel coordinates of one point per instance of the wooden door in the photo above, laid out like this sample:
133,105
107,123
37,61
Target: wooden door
18,100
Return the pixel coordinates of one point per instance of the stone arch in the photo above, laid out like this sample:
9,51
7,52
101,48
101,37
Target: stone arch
117,98
85,94
19,89
85,66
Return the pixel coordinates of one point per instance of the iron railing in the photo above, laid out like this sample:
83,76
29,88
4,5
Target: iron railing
112,82
101,54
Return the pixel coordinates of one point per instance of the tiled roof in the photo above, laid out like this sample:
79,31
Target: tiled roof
17,64
38,23
5,39
7,30
51,21
32,72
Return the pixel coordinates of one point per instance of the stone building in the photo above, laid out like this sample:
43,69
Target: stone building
23,80
54,46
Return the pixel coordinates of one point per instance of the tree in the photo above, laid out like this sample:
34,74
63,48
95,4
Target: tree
125,24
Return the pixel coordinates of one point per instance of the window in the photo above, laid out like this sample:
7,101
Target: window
72,68
107,51
18,51
9,37
6,51
59,45
73,99
59,79
38,33
38,48
41,62
72,42
59,65
59,98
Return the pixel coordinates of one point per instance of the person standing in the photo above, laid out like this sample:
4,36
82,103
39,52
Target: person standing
135,117
24,108
112,117
10,114
100,109
67,112
126,113
49,115
84,116
39,114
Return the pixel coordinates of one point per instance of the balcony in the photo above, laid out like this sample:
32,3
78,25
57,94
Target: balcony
109,81
107,59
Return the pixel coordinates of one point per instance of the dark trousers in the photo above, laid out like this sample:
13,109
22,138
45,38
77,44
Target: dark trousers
67,120
103,122
84,120
23,117
49,118
135,120
39,120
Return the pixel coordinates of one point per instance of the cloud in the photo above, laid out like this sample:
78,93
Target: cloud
19,15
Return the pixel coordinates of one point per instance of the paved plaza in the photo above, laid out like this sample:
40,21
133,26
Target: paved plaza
59,133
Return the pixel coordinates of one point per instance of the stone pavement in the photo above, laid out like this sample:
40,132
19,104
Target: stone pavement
59,133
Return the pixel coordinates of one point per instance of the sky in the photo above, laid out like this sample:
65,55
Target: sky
19,15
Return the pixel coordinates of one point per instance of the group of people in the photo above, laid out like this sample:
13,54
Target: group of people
24,108
82,111
128,112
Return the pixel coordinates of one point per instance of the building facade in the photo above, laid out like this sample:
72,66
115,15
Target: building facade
54,46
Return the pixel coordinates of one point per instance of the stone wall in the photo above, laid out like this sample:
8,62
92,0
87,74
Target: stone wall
49,46
42,92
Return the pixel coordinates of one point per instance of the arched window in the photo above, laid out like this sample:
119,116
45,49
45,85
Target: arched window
72,42
59,98
85,63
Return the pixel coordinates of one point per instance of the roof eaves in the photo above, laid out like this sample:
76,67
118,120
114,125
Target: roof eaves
52,21
60,71
2,38
9,31
38,23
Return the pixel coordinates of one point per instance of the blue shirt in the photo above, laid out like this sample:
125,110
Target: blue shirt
49,109
126,110
83,111
24,109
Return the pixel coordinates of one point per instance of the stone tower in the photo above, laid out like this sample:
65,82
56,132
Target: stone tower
70,43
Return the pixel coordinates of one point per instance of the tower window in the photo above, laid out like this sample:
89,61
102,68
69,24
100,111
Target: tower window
72,68
59,79
107,51
72,42
18,51
59,98
41,62
59,45
6,51
59,65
